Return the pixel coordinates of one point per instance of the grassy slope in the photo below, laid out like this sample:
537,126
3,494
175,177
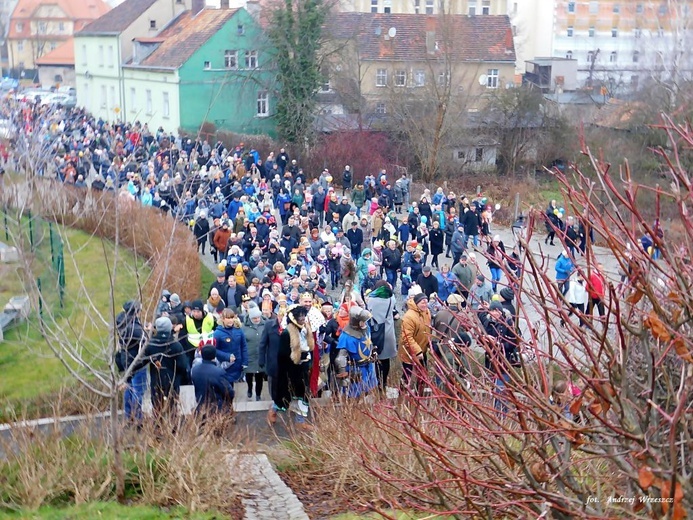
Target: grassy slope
27,364
108,511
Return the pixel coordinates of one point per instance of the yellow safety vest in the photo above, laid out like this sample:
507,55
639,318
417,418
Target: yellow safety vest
196,337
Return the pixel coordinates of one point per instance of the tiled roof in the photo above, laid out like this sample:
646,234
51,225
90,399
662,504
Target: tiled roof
119,18
64,54
80,11
486,38
185,36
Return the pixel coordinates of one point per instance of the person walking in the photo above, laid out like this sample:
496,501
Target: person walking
496,259
381,303
213,392
253,326
413,347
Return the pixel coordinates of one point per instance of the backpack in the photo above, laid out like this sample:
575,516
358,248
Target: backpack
378,331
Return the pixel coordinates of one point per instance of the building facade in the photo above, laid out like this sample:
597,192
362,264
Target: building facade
38,27
618,44
426,7
212,66
103,46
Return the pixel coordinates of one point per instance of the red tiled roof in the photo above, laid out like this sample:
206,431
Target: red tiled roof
79,11
185,36
64,54
486,38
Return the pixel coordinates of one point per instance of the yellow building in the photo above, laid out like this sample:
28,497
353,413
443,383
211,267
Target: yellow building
466,7
38,27
384,59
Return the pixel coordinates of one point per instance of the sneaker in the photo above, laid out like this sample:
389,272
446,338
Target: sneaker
250,395
258,398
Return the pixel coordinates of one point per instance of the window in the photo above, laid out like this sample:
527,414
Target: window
486,7
569,55
594,7
112,98
387,6
590,57
167,107
472,7
21,64
637,32
240,30
461,155
84,54
110,56
58,78
417,6
639,9
103,96
374,6
613,57
634,80
207,65
571,7
230,59
61,26
570,32
660,32
251,59
85,93
20,45
478,154
614,32
429,6
443,79
148,102
42,27
53,46
381,78
400,78
152,24
492,78
381,108
515,8
419,78
19,26
617,8
262,103
636,56
590,33
100,55
133,99
662,10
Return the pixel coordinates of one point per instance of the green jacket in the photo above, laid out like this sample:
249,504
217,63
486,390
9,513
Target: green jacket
358,197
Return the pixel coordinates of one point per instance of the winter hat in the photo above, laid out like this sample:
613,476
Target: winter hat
163,325
175,299
254,312
507,293
496,238
208,352
414,290
419,298
197,305
455,299
495,306
480,277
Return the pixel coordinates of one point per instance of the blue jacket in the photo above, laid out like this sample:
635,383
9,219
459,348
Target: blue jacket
358,349
213,391
231,341
233,208
564,266
446,285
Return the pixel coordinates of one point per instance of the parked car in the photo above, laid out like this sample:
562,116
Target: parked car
9,84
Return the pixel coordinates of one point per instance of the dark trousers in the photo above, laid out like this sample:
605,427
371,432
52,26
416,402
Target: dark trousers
382,370
599,303
259,380
434,261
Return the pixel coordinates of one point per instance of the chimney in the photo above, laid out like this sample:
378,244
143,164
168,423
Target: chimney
197,6
224,4
431,42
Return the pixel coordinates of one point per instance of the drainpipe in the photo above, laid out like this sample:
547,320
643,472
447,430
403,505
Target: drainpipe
121,82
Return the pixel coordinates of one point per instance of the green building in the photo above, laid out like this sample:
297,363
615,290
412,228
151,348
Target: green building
208,66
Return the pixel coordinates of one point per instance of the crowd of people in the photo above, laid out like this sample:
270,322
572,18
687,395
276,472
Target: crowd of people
308,281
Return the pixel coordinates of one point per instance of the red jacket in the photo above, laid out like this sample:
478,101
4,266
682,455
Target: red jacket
595,285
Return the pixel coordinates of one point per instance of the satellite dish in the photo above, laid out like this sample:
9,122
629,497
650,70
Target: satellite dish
392,32
482,79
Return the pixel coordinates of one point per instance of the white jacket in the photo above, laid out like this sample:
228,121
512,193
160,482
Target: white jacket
577,292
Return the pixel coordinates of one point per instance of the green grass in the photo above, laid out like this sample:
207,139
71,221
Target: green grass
28,366
207,278
108,511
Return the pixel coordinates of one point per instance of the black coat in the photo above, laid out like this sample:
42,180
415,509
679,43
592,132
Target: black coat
428,284
436,238
471,223
201,229
130,336
168,367
269,348
392,259
212,390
